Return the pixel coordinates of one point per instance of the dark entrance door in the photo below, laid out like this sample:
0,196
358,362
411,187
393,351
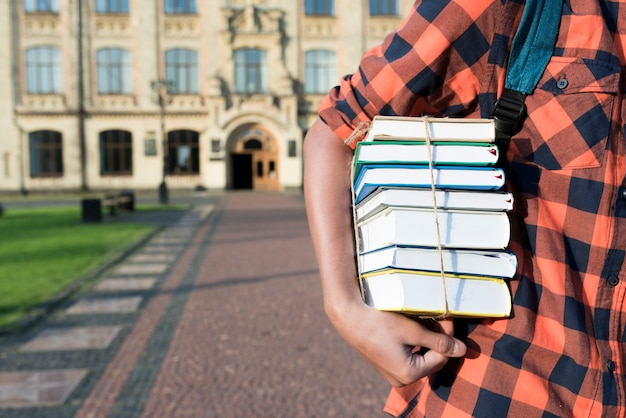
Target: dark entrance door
242,171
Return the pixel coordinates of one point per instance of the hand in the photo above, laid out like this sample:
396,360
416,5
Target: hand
392,343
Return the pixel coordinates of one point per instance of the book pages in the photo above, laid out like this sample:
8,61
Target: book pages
406,213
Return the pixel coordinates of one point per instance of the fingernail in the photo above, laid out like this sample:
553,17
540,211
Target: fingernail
459,348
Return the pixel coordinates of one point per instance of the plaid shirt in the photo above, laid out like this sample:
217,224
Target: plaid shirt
562,353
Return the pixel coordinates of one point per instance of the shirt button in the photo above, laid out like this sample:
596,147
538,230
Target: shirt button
613,280
611,366
623,194
562,83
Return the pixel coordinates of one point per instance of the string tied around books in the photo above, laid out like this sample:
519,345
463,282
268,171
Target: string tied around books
359,132
437,227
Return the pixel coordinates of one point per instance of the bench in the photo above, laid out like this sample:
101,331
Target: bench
114,202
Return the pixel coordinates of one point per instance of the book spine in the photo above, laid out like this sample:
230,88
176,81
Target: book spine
372,234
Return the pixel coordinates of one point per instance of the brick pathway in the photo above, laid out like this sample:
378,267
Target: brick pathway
219,315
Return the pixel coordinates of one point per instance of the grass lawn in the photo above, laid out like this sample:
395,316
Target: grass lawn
43,251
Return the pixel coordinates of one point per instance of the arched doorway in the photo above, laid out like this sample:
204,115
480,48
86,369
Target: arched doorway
253,160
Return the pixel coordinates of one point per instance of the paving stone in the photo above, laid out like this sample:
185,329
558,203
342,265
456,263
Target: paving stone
175,238
215,303
38,388
125,284
155,268
76,338
204,211
163,248
105,305
153,258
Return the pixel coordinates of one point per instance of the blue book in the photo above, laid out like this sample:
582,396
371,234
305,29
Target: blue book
370,177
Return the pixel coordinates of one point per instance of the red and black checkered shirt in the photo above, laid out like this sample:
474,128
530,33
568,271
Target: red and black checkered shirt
562,352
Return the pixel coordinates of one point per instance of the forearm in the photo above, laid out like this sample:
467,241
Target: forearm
327,163
380,337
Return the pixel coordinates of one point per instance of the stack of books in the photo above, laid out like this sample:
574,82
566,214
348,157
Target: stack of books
407,231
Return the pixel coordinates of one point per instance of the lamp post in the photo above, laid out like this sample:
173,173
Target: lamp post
161,87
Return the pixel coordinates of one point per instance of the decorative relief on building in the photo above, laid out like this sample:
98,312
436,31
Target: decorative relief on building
381,27
246,2
321,28
41,25
253,104
44,102
177,26
115,102
112,26
251,19
214,87
184,102
286,86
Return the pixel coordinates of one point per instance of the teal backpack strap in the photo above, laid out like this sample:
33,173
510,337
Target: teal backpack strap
531,50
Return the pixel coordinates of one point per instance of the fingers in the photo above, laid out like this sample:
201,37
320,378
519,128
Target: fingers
444,344
438,339
447,325
426,350
391,343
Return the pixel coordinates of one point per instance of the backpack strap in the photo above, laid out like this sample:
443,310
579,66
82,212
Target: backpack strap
531,50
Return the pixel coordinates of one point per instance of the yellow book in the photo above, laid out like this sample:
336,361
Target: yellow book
424,294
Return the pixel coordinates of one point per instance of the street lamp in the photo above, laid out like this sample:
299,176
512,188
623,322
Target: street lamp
161,87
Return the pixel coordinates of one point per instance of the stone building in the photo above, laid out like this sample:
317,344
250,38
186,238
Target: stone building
129,94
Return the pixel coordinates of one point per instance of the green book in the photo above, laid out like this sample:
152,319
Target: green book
417,152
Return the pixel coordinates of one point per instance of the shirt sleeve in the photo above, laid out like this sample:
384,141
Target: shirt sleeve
430,65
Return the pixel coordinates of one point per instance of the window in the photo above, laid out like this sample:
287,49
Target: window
250,71
318,7
180,7
112,6
383,7
252,144
183,152
181,69
292,150
116,153
46,154
320,71
114,71
41,6
43,70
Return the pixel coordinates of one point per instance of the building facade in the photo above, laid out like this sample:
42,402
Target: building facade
215,94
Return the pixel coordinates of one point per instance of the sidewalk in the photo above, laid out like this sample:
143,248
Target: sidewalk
219,315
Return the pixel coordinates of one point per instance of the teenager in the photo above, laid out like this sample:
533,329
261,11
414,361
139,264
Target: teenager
562,351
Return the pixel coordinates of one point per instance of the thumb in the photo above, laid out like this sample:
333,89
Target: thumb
444,343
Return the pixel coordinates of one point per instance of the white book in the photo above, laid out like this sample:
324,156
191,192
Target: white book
476,263
421,294
486,230
437,129
411,197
